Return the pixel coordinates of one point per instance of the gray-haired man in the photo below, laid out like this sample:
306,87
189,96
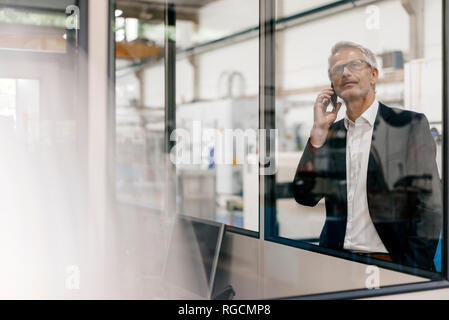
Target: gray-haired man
376,169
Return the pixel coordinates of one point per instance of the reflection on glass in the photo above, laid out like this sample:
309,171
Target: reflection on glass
368,181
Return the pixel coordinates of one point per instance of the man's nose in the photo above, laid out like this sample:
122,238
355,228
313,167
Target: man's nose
346,71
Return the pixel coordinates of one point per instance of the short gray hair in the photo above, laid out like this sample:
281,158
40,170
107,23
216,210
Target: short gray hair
369,56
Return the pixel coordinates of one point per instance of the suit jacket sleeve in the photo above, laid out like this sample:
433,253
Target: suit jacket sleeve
426,220
309,184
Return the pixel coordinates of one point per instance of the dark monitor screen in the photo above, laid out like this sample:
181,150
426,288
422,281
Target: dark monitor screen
193,256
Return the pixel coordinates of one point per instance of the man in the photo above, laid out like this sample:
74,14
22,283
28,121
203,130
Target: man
375,168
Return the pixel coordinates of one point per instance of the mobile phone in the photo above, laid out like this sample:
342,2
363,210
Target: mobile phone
334,97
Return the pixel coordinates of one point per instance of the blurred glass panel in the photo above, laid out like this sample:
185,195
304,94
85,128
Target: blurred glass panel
43,143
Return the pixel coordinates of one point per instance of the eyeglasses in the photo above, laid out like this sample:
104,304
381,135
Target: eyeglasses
353,66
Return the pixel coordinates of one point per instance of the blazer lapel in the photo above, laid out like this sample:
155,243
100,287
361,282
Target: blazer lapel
375,180
339,160
338,170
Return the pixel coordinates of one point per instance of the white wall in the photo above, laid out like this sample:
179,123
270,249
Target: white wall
154,78
433,21
290,7
225,17
184,81
240,57
127,89
307,46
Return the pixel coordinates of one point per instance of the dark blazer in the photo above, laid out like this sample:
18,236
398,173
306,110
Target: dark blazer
403,187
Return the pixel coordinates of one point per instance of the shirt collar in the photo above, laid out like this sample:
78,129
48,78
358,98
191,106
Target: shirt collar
369,115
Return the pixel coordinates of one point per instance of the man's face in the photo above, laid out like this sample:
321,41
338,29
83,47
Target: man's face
352,85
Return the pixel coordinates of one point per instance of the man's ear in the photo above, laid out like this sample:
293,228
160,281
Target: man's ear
374,76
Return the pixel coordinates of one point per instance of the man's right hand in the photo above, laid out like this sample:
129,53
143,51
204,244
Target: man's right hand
322,119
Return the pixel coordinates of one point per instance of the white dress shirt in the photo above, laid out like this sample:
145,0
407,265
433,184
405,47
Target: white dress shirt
361,235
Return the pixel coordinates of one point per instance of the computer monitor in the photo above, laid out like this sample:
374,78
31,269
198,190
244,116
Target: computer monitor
192,258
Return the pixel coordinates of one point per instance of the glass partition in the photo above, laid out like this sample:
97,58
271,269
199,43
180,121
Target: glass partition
176,69
361,180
